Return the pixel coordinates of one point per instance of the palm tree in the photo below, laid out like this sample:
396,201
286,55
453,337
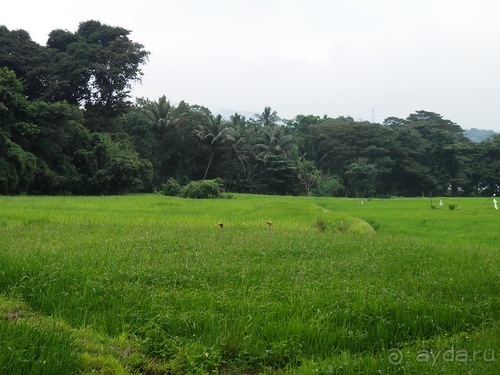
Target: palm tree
161,115
215,133
238,121
268,118
275,142
240,151
166,126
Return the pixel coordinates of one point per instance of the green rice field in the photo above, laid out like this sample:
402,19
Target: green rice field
251,284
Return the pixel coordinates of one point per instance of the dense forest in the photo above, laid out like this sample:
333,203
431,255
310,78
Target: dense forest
67,126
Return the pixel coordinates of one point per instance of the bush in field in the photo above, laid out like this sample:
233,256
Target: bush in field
202,189
171,188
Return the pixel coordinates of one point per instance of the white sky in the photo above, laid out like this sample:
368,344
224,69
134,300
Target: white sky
369,59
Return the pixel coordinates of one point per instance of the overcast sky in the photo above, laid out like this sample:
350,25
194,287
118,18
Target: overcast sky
369,59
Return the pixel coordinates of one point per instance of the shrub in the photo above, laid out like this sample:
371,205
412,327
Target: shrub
202,189
171,188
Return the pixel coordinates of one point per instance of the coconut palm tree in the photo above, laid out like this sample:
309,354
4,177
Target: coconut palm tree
161,116
239,151
215,133
268,118
238,121
275,142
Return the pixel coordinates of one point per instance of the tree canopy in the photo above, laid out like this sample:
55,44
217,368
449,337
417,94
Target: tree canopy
67,126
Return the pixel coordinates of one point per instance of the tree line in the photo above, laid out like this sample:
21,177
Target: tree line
67,126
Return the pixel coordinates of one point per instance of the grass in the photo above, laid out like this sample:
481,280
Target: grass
29,348
150,284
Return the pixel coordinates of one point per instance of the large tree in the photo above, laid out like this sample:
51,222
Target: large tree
410,174
162,132
18,53
17,165
485,167
217,134
94,67
338,144
445,150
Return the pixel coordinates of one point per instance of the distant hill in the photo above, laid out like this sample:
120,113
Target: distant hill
478,135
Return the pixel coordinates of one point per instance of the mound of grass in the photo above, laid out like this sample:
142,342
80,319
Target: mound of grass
33,346
344,224
31,343
29,348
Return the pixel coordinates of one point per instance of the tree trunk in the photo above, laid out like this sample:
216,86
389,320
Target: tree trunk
208,166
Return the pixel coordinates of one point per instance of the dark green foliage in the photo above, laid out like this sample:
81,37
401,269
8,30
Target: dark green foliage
45,149
279,174
13,104
111,166
93,67
485,167
17,52
17,167
59,135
